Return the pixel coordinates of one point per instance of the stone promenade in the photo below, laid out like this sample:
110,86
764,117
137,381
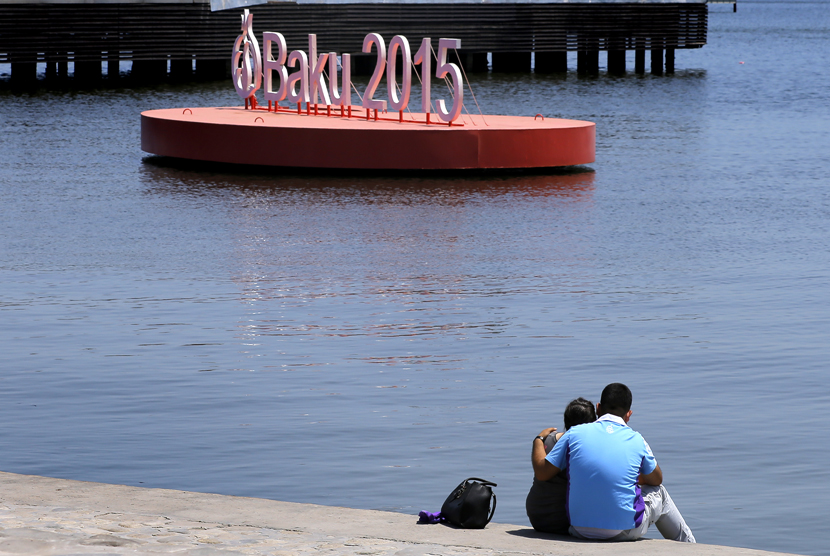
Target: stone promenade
43,516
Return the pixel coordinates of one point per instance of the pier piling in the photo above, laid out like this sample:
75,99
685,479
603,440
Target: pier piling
212,69
113,67
88,71
511,62
51,73
657,61
587,62
616,62
473,62
181,70
149,71
363,64
551,62
640,59
480,63
24,74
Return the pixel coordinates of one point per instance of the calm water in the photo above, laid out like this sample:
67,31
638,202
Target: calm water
369,341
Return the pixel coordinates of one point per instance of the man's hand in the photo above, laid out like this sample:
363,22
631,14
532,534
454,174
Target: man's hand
542,468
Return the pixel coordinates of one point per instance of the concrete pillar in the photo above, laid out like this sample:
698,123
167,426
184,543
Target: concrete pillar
670,60
616,62
213,70
587,62
88,71
149,71
639,60
657,61
63,70
511,62
551,62
181,70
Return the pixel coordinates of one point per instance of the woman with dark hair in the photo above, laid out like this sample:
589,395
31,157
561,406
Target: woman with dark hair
545,504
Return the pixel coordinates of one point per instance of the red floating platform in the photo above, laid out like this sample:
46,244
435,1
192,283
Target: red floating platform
391,142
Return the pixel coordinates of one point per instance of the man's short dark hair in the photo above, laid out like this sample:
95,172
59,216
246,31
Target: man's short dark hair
616,399
578,412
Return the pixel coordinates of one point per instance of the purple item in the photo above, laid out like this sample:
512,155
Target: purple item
430,517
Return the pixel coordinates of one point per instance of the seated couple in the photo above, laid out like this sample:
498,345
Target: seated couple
599,479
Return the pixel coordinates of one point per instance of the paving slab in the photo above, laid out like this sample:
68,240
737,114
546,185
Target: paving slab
46,516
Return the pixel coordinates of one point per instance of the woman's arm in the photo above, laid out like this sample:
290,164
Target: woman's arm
542,468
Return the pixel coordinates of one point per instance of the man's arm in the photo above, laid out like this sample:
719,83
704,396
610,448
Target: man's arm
542,468
655,478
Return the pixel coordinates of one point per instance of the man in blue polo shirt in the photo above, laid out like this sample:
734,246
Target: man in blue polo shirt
614,483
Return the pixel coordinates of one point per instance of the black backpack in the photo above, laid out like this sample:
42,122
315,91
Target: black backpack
469,505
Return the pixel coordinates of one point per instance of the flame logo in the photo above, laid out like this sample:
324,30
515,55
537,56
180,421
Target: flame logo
247,73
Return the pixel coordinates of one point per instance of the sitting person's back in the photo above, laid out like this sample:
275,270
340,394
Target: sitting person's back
545,503
615,489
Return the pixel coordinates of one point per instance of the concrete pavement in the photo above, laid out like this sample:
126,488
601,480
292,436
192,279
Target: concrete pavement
45,516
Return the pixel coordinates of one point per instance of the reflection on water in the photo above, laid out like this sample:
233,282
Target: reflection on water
197,178
408,240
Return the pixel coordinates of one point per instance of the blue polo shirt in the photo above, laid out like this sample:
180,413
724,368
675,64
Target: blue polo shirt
604,460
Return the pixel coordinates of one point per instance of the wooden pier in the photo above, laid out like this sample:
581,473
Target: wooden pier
185,40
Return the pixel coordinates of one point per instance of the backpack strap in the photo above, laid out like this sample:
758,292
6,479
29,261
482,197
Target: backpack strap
493,510
482,481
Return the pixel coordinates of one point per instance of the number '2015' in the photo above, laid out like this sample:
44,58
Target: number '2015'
305,84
